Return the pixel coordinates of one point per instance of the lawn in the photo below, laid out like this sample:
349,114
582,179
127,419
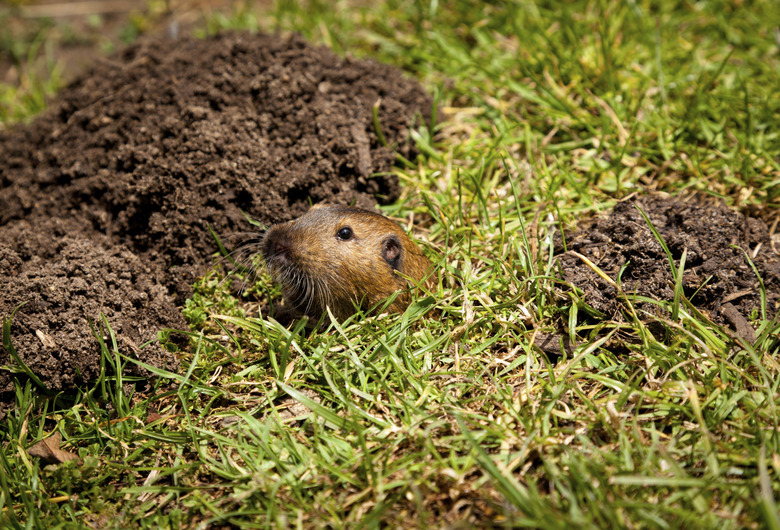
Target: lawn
451,414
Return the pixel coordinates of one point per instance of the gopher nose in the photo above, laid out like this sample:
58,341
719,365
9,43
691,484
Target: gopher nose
280,248
276,247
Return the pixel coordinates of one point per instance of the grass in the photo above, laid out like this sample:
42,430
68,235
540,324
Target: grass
34,83
551,113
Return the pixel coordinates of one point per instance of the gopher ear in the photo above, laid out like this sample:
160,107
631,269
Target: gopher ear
391,251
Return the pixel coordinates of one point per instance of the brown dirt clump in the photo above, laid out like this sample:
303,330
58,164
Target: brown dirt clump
717,277
107,197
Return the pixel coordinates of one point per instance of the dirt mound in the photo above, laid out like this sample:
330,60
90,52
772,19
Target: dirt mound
717,277
74,279
107,197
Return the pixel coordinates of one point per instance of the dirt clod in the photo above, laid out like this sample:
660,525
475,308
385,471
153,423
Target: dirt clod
717,278
107,197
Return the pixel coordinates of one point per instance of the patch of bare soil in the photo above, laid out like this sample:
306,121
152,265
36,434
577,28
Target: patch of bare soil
717,277
105,199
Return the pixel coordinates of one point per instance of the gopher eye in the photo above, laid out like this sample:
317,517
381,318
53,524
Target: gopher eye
345,233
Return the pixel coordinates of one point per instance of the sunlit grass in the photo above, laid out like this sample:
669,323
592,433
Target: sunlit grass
499,397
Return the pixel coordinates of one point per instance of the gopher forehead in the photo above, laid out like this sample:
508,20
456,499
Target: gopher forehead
331,217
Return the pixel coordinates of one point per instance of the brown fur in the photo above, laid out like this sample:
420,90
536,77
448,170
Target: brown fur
319,269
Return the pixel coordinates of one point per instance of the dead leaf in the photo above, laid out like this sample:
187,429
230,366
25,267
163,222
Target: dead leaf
741,325
49,450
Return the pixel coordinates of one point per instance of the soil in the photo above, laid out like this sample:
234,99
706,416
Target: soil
107,197
717,276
